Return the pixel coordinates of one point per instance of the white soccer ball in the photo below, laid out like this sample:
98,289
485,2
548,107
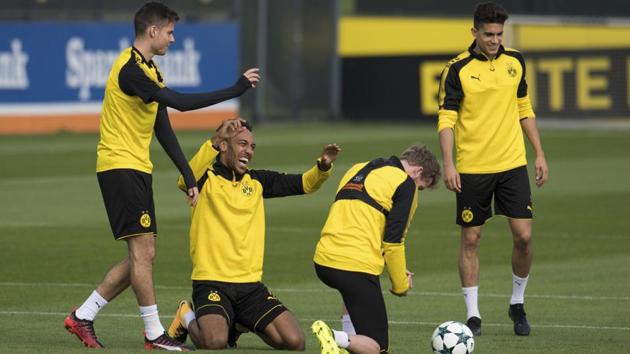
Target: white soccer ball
453,338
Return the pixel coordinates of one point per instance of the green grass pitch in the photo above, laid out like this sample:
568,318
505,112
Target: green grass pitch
56,244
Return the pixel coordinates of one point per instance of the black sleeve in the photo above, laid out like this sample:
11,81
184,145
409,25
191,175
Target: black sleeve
276,184
134,82
165,135
398,217
450,92
189,101
522,86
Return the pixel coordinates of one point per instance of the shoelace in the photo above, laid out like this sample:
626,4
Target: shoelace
166,340
87,325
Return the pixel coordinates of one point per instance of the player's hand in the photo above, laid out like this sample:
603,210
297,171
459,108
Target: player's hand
227,130
253,75
542,171
452,179
410,278
192,196
329,155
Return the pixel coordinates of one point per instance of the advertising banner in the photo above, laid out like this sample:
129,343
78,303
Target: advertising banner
70,62
53,75
562,84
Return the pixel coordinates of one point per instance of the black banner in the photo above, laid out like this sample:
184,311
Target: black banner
562,84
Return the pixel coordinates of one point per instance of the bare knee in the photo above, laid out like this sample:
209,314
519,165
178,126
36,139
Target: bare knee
284,332
294,341
142,250
213,342
522,242
470,238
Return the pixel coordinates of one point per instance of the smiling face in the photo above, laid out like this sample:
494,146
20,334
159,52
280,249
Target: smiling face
237,152
488,38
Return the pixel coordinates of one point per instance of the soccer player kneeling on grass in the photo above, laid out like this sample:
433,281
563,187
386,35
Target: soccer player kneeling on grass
227,239
365,230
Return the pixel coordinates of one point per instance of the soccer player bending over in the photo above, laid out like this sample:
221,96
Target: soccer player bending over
134,108
227,239
365,231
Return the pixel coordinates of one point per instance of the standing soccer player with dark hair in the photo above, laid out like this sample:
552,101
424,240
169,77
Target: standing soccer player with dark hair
365,231
484,110
134,108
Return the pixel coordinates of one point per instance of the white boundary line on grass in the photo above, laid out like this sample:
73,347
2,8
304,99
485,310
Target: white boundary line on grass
294,290
403,323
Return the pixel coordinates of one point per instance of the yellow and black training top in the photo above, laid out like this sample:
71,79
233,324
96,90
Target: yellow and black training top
483,101
129,114
368,222
227,232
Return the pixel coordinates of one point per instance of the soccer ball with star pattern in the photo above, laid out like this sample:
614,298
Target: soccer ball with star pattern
453,338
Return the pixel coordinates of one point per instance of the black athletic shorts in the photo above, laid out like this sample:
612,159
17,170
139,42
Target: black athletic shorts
128,198
512,196
361,293
250,304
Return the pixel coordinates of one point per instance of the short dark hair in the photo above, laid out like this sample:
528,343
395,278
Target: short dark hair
489,12
153,13
248,125
420,155
244,124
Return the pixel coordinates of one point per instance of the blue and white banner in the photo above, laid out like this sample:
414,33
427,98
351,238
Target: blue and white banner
68,63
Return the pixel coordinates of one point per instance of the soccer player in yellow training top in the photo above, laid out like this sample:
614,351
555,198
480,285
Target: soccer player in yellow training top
484,110
134,108
365,231
227,241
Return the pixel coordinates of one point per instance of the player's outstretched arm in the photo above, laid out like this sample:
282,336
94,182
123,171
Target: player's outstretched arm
276,184
190,101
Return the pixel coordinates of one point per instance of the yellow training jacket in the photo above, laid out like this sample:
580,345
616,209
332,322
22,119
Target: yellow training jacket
128,115
483,101
227,232
359,237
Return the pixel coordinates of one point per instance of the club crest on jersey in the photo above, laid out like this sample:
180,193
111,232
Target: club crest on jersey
358,178
145,219
247,190
511,71
214,296
467,215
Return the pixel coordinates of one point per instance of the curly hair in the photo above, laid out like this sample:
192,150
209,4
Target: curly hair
489,12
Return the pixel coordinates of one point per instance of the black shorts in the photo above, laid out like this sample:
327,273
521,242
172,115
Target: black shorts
361,293
128,198
250,304
512,196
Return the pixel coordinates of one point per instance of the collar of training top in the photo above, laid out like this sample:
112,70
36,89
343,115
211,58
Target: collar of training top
221,170
482,56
